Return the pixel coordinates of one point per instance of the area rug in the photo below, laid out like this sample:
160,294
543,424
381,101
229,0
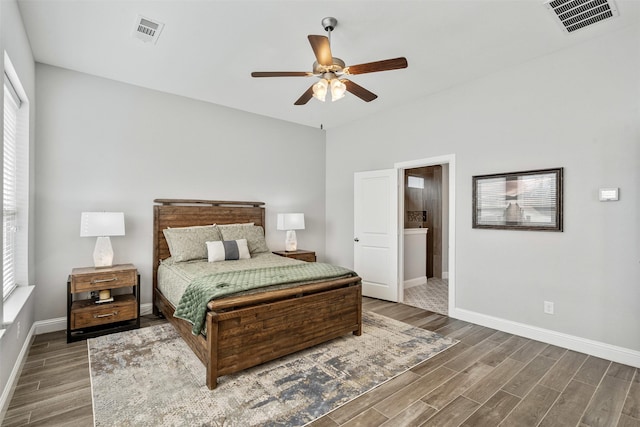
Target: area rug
150,377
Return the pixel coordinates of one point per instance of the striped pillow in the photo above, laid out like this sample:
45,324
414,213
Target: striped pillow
226,250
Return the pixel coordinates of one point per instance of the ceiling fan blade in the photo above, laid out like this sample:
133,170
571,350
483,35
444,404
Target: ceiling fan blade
321,48
372,67
281,74
305,97
359,91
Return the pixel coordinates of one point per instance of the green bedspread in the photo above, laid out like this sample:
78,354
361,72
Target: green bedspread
192,306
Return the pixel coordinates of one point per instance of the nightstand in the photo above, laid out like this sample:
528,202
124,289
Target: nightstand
87,317
300,254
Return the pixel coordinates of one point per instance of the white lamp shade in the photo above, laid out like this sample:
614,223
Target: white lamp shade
98,224
337,89
320,90
290,221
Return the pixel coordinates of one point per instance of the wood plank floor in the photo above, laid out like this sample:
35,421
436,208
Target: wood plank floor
489,378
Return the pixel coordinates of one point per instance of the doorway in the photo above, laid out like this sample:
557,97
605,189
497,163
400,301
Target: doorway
426,237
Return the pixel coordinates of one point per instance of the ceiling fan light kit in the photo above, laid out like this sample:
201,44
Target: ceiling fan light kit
332,71
320,90
338,88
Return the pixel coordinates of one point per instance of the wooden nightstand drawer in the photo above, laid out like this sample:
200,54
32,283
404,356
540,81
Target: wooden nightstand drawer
308,257
88,279
87,313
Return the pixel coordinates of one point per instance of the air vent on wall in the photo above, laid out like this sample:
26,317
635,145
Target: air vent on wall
147,29
576,14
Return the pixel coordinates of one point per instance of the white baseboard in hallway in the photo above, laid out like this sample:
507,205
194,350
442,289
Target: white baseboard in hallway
415,282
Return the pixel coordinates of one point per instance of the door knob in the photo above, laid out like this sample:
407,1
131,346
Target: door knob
356,240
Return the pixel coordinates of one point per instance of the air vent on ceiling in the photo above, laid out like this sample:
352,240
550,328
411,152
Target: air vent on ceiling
147,29
576,14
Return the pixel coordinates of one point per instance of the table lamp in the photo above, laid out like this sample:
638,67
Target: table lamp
102,225
290,222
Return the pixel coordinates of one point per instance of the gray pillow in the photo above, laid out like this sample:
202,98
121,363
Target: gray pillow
189,243
228,250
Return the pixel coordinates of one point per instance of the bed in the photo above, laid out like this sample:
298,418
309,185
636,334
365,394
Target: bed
249,328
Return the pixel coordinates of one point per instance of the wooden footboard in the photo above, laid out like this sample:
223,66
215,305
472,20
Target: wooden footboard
241,338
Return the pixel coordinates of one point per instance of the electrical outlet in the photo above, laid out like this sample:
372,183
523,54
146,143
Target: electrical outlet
548,307
18,330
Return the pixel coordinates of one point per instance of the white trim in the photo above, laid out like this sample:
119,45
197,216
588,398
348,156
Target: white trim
146,309
445,275
12,381
50,325
416,231
583,345
11,73
449,159
415,282
15,302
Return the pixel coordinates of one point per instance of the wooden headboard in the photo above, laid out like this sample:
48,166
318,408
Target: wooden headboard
184,213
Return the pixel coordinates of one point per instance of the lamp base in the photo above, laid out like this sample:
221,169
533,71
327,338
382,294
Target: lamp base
291,243
103,253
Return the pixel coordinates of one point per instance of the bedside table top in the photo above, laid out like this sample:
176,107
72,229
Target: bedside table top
93,270
298,252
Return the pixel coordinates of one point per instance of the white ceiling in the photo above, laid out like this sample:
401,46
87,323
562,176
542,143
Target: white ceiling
208,48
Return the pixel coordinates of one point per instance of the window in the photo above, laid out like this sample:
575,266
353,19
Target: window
15,183
415,182
9,212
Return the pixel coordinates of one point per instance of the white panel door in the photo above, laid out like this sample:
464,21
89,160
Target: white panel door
376,232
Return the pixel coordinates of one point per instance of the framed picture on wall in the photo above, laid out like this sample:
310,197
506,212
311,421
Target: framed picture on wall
530,200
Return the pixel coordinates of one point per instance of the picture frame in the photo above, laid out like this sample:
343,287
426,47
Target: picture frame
529,200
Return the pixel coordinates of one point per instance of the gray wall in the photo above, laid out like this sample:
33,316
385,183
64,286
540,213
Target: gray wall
14,40
108,146
577,109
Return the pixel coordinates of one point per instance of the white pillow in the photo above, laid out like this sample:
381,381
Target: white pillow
225,250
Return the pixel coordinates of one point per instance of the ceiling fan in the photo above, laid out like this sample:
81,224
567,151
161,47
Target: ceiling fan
332,71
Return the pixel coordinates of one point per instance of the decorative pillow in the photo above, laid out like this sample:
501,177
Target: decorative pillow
189,243
225,250
253,233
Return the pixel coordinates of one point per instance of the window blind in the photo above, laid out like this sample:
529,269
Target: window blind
9,189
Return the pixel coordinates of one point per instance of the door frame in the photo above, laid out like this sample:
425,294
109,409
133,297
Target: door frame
450,160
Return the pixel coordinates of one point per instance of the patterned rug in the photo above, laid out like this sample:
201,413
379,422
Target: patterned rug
434,296
149,377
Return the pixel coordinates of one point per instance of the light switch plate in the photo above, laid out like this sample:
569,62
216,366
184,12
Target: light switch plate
608,194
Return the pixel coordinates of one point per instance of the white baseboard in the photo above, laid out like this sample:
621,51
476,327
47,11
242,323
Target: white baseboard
445,275
415,282
146,309
15,373
583,345
50,325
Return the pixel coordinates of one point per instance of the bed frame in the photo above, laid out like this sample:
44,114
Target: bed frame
245,331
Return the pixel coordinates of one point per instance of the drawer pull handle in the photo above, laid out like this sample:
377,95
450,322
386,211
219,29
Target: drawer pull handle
113,279
98,316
